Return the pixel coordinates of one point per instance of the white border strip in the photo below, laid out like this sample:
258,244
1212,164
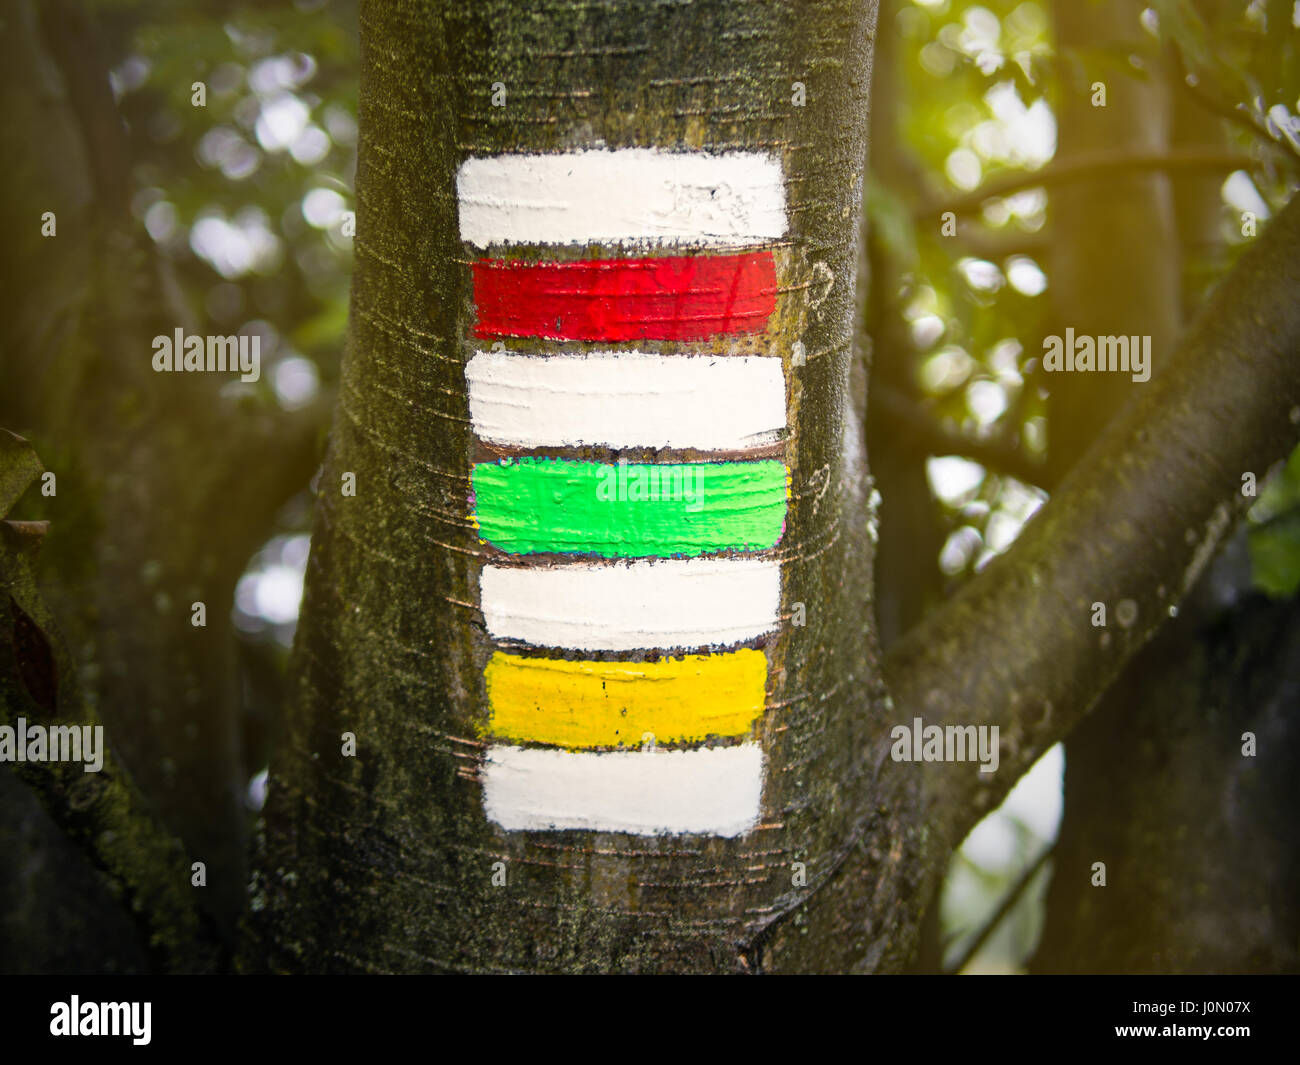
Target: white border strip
715,791
626,399
637,195
659,603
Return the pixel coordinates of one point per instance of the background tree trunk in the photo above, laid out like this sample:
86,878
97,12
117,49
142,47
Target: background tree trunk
1199,840
907,576
1113,259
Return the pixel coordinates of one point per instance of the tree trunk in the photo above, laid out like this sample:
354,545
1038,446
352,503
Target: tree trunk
1198,837
1113,259
907,578
387,860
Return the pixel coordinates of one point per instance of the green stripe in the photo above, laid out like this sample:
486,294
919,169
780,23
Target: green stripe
529,505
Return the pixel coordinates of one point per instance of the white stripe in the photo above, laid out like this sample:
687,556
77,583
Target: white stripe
638,195
626,399
714,791
658,603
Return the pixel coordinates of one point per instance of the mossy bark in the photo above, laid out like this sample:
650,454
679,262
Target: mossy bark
1199,838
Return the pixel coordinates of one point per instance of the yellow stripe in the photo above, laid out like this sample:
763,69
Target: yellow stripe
611,704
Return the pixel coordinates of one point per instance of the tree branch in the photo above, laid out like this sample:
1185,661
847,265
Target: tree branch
1132,526
1004,907
1085,167
1238,115
1000,454
995,245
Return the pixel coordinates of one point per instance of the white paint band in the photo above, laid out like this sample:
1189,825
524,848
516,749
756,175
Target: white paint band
635,195
626,399
667,604
715,791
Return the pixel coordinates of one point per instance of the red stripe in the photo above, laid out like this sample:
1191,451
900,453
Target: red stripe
681,298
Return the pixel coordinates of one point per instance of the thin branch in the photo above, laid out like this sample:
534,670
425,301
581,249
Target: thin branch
1001,454
1001,244
1237,115
1283,518
1008,902
1085,167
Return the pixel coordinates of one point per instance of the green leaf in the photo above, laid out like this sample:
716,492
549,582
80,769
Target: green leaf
1274,533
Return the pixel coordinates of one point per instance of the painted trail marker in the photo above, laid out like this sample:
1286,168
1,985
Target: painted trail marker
632,196
593,704
673,298
709,790
629,510
629,597
625,399
670,604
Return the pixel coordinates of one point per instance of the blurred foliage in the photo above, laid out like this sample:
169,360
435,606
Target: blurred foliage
1242,57
973,105
246,195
